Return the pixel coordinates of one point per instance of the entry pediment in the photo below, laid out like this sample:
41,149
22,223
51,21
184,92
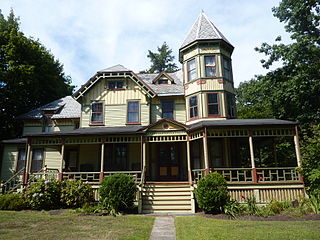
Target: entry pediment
165,124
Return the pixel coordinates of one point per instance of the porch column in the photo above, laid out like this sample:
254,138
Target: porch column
253,165
101,176
27,164
297,146
144,155
205,152
60,177
189,160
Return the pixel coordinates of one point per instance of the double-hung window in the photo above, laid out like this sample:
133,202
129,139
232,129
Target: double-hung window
231,105
133,112
97,113
213,104
21,159
192,70
227,68
37,159
167,109
193,107
210,66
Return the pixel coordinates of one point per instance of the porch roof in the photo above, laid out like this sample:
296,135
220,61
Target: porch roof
14,141
91,131
242,123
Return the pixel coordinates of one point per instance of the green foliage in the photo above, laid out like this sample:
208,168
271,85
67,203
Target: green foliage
161,61
75,194
30,76
12,201
311,159
277,207
251,206
233,208
315,203
117,193
211,193
44,195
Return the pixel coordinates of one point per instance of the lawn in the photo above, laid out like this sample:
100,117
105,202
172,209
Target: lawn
42,225
205,228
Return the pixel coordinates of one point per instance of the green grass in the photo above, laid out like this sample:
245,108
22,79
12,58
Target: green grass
41,225
205,228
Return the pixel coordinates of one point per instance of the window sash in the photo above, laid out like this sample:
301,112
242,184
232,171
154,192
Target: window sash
37,160
210,66
133,112
227,68
96,112
193,107
213,104
231,105
167,109
115,84
192,70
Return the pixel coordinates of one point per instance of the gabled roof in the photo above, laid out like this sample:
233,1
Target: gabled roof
175,89
163,74
65,107
116,68
203,29
163,120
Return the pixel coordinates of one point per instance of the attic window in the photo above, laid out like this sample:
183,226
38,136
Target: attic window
115,85
163,81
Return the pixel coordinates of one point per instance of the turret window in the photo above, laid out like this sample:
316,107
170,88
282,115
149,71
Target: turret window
231,105
210,66
213,104
193,107
192,71
97,113
227,68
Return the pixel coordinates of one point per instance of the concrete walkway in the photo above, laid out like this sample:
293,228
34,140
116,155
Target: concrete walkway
163,228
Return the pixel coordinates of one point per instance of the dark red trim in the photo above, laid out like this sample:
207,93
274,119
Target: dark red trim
116,89
133,123
96,124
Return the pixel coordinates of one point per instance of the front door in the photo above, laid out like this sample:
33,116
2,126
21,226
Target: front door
168,161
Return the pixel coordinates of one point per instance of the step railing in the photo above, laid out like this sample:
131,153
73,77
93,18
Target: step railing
13,182
197,174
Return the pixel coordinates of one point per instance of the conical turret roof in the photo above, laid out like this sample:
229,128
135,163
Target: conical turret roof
203,29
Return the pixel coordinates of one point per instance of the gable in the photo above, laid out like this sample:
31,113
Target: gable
165,124
163,78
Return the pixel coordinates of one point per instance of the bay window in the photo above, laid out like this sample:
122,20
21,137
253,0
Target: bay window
193,107
210,66
192,71
213,104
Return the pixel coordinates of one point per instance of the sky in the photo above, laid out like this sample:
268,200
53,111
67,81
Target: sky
90,35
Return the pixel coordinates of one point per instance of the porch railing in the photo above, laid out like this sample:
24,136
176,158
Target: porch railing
245,175
276,174
90,177
136,175
45,173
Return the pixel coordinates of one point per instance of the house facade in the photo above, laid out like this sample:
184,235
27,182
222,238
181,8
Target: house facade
167,130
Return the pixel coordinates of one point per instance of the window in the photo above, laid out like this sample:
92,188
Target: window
193,107
231,105
192,71
97,113
167,109
213,104
133,112
227,68
116,156
47,124
37,159
115,84
21,159
210,66
163,81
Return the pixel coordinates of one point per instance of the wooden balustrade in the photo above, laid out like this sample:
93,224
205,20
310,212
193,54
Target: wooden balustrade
277,174
235,175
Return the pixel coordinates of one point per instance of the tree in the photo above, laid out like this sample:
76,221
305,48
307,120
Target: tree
30,76
162,61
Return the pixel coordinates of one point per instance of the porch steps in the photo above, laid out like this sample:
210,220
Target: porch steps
167,197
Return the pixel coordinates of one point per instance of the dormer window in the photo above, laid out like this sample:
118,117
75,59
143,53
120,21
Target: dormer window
210,66
112,85
163,81
192,71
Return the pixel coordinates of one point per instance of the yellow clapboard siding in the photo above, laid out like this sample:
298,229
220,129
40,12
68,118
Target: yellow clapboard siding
10,155
52,157
32,129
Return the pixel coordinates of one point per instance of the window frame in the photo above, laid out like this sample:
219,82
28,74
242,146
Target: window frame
116,84
18,167
191,70
191,108
217,103
227,70
139,110
214,66
231,108
33,160
171,101
94,123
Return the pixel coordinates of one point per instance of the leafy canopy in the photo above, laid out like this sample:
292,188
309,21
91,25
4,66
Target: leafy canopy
161,61
30,76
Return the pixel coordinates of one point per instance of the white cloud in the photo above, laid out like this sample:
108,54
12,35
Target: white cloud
89,35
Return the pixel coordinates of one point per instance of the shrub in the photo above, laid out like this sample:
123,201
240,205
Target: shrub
12,201
117,193
251,206
315,203
277,207
44,195
233,208
75,194
211,193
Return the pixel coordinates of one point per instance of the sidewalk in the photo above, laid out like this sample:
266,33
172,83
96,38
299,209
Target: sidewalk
163,228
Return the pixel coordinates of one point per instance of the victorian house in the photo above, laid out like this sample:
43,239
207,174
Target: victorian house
167,130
